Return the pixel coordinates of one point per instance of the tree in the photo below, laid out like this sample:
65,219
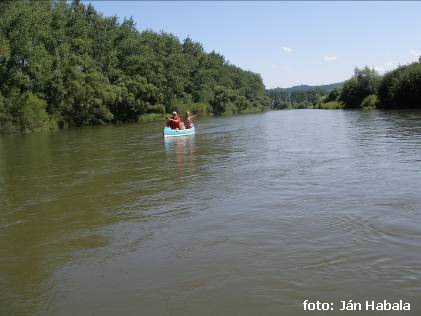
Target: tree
364,82
65,64
401,87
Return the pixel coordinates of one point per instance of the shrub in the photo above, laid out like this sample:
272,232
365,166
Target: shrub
157,108
333,95
401,87
230,109
150,117
6,125
364,82
198,107
33,116
370,102
201,108
333,105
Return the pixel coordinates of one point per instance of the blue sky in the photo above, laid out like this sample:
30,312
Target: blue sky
289,43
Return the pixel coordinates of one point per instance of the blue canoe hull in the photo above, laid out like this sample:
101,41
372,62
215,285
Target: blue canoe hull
168,132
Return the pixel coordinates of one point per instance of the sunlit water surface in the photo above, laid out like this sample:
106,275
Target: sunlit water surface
251,216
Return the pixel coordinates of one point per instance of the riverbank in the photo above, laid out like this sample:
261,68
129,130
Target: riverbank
153,117
204,111
366,89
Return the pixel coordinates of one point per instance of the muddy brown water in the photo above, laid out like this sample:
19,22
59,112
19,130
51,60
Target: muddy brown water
251,216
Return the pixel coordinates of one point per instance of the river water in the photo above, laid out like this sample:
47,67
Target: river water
251,216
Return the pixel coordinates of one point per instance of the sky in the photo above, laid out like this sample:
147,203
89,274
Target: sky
288,43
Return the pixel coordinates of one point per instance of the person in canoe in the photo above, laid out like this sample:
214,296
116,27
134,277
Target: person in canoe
173,122
188,120
182,126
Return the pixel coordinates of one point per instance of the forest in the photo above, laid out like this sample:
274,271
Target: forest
64,64
299,97
366,89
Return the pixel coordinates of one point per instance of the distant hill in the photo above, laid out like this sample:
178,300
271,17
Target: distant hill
300,97
303,88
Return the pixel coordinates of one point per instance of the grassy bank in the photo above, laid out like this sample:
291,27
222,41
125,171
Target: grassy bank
333,105
201,109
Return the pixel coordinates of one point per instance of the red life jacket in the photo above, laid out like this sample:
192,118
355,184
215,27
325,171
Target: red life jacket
175,125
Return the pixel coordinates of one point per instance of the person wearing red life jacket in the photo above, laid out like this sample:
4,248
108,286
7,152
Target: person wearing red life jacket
174,121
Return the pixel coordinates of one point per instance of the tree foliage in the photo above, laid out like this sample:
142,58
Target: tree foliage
285,98
364,83
370,102
401,87
65,64
333,95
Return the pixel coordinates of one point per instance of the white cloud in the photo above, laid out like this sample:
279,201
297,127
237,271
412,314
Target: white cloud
415,52
330,58
389,64
379,69
286,49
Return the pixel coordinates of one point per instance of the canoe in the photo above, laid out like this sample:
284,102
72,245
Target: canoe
168,132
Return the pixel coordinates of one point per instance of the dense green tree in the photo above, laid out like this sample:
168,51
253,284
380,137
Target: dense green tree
333,95
401,87
224,99
364,83
64,64
285,98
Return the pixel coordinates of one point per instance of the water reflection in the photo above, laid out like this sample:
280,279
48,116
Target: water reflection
183,148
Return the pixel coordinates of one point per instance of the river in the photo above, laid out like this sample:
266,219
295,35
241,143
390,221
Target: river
251,216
